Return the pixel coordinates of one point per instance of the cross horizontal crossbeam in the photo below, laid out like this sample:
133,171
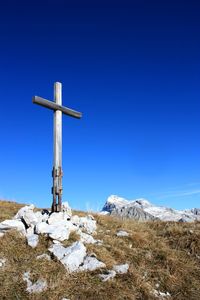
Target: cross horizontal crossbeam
54,106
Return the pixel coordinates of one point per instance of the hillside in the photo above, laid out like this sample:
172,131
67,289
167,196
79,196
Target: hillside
163,259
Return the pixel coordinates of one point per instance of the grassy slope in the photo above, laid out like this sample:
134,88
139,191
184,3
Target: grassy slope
158,252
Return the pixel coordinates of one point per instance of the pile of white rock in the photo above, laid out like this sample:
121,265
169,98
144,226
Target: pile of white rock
58,226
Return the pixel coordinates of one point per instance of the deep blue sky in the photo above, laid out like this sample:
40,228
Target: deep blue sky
133,69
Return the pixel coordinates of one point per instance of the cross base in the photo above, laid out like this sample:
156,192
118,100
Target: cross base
57,175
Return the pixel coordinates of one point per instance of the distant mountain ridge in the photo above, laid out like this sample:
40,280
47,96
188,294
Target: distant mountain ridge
143,210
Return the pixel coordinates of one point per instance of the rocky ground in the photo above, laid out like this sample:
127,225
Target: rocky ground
74,255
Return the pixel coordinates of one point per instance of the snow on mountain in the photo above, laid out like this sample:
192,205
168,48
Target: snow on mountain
142,209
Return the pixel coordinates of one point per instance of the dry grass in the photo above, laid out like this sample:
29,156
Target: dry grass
158,253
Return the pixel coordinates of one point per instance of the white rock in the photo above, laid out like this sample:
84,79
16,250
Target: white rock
58,231
60,234
57,217
44,256
86,238
74,256
88,223
160,295
57,242
30,231
1,234
30,218
91,264
121,269
42,228
66,208
75,220
38,287
71,257
41,217
109,275
12,224
23,210
58,250
32,240
122,233
2,262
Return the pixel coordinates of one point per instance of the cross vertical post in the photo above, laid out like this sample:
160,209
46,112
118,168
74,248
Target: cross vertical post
58,109
57,167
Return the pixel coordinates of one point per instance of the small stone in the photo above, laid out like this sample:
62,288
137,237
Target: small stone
109,275
161,295
2,262
32,240
122,233
1,234
57,242
87,239
38,287
121,269
90,264
44,256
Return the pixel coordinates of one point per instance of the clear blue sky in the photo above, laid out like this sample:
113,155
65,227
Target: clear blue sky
133,69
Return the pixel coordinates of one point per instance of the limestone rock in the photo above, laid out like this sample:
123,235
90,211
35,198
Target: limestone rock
71,257
32,240
161,295
30,218
12,224
38,287
41,217
2,262
23,210
43,256
66,208
75,220
60,234
121,269
42,228
74,256
58,251
122,233
108,275
57,217
88,223
87,238
91,263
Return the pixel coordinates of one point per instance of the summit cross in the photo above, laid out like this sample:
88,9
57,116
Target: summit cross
58,109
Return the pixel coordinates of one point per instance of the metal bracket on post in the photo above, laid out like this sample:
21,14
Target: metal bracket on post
57,189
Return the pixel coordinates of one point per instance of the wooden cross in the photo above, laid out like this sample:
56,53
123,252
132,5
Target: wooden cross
58,109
